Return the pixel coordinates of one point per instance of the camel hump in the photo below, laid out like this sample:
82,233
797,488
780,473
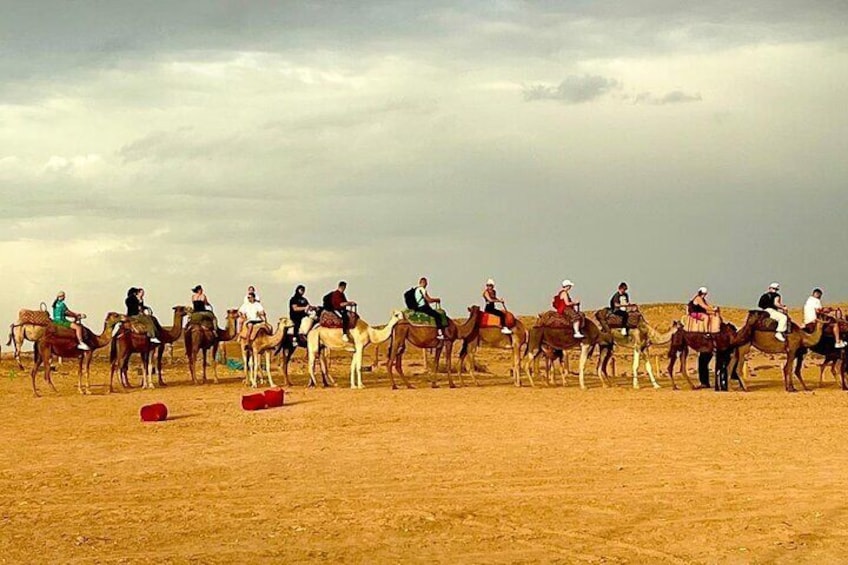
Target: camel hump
34,317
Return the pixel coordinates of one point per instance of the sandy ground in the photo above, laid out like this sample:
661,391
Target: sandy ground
489,474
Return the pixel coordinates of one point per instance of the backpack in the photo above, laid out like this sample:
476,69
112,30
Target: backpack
327,301
409,299
558,303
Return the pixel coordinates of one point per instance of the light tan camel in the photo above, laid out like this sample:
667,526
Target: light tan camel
764,340
266,343
168,335
199,338
562,339
494,338
63,342
425,337
361,334
639,341
24,330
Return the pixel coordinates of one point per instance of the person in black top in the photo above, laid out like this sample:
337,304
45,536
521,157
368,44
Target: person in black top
619,304
136,311
201,309
299,309
773,304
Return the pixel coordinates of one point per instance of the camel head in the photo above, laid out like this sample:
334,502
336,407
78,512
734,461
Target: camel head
113,318
182,311
283,323
232,313
473,310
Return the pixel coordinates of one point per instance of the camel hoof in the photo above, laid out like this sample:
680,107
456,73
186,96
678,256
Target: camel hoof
452,386
656,387
435,385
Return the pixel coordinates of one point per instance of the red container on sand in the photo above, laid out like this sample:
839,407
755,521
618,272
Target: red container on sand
274,397
255,401
154,413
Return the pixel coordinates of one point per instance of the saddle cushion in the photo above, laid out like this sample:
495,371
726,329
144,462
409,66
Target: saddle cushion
487,320
763,323
34,317
332,320
417,318
205,319
615,321
702,324
554,320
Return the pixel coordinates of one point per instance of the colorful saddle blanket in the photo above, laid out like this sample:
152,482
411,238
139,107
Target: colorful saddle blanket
554,320
487,320
417,318
332,320
34,317
701,324
616,321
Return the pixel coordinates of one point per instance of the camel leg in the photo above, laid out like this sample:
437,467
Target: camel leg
789,363
650,370
448,353
636,369
684,361
268,369
353,371
203,367
357,357
35,366
148,378
672,357
160,351
48,362
79,376
584,356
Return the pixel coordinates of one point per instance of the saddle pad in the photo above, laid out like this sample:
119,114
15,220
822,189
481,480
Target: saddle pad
417,318
487,320
205,319
763,323
331,320
554,320
614,321
34,317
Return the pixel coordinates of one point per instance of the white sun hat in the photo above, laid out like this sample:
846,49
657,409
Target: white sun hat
490,282
567,282
775,286
702,290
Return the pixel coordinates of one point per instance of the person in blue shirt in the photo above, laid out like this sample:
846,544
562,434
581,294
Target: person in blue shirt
61,312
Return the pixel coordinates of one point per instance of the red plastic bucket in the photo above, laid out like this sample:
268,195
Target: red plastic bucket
255,401
154,413
274,397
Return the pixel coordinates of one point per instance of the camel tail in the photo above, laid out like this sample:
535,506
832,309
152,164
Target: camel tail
11,334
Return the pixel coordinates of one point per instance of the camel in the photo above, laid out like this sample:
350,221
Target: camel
638,339
199,338
60,341
288,346
362,336
26,328
764,340
266,343
492,337
563,339
168,335
126,342
706,345
825,347
425,337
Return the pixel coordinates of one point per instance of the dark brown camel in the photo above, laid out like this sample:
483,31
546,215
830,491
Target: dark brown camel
425,337
720,344
168,335
127,342
826,347
494,338
199,337
563,339
63,342
754,335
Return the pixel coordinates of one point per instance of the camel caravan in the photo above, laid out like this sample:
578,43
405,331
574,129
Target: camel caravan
59,333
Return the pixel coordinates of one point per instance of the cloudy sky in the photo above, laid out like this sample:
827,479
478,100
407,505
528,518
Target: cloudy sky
667,143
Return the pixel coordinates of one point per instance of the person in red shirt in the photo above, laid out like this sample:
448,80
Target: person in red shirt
337,302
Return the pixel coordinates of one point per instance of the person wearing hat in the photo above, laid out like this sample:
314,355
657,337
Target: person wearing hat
490,298
200,305
564,305
60,318
772,303
699,309
813,310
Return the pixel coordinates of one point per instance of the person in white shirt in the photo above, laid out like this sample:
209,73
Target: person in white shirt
423,300
813,308
252,315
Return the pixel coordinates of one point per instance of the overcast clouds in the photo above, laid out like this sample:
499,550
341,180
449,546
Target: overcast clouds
670,144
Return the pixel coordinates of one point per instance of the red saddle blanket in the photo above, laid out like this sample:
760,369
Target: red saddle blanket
333,320
487,320
554,320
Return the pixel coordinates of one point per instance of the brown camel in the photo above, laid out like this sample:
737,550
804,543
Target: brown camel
639,340
290,345
29,326
168,335
63,342
126,342
267,343
425,337
754,335
494,338
199,337
563,339
827,348
720,344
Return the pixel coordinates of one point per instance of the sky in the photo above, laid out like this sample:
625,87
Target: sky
671,144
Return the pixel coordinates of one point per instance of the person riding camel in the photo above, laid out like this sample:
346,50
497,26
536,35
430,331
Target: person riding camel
138,313
490,297
61,312
813,310
337,302
699,309
423,300
200,305
253,316
565,306
772,303
299,310
620,305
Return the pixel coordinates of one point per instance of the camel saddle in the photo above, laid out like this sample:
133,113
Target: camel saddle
704,325
487,320
763,323
610,321
828,327
565,321
203,319
332,320
34,317
417,318
251,331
